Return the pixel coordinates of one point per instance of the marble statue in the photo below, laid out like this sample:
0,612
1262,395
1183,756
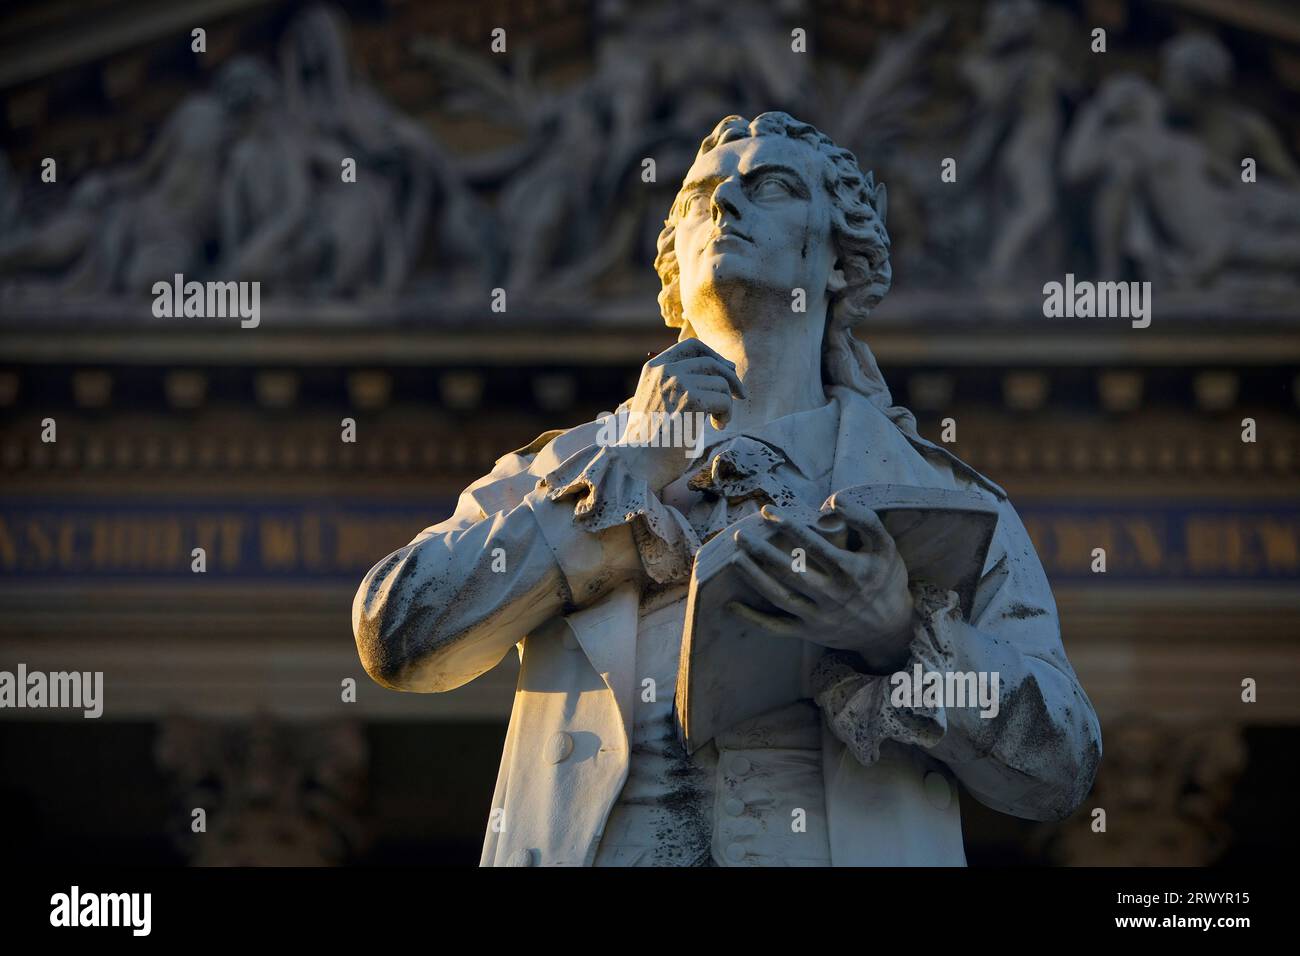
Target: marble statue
577,550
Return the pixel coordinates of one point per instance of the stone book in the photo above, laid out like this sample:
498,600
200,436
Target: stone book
732,670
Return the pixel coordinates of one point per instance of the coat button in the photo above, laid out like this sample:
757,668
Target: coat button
740,765
520,858
559,747
735,853
733,807
937,790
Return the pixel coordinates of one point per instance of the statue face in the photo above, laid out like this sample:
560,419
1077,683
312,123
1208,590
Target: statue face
753,214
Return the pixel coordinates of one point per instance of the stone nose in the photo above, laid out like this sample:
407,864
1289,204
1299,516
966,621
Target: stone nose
726,201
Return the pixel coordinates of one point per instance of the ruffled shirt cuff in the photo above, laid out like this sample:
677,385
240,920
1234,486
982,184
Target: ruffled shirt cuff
610,495
859,707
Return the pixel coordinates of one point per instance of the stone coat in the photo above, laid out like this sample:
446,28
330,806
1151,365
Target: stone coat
434,615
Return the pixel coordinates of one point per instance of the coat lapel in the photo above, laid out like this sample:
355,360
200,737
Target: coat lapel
606,632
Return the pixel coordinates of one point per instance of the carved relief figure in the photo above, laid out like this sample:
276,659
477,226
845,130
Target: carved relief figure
125,228
265,192
1162,200
1196,77
246,181
1017,81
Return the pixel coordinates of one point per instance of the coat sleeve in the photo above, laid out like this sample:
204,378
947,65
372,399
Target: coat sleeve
447,607
1037,755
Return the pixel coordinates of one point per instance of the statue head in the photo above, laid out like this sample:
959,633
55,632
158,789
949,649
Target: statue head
773,203
245,84
314,59
1011,23
1127,99
1194,67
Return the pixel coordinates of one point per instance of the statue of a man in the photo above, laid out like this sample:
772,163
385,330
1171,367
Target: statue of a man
579,551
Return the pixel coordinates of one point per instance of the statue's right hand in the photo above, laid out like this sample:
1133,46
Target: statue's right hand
688,378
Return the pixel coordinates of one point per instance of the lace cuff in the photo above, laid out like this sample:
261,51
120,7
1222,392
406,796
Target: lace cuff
859,707
610,496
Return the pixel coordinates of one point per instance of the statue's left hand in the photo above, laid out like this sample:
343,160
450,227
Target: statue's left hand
854,600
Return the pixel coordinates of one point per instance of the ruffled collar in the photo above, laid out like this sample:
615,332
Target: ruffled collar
805,439
783,462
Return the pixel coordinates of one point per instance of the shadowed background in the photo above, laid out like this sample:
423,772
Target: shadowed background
526,171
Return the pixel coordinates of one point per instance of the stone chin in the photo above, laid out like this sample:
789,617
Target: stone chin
729,274
734,261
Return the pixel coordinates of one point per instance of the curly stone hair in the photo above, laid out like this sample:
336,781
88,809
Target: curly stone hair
858,207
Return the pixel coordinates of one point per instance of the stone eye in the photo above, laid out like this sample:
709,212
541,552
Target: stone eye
771,188
689,204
